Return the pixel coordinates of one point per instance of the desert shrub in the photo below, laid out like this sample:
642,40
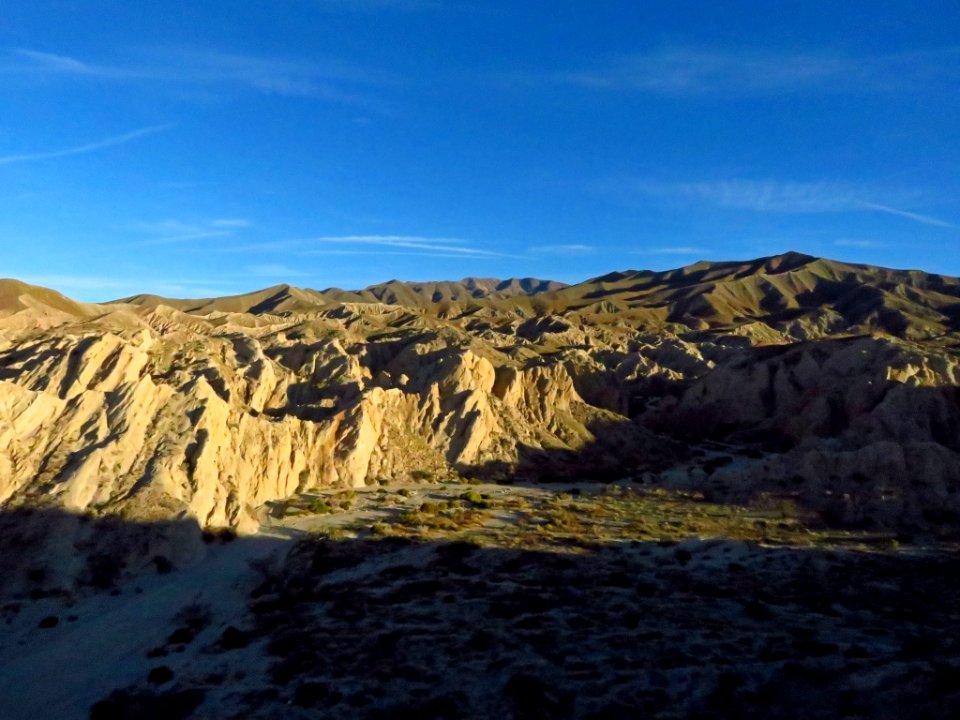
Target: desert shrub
472,496
37,574
181,636
160,675
195,616
234,639
224,535
319,507
332,533
404,492
421,474
163,564
102,571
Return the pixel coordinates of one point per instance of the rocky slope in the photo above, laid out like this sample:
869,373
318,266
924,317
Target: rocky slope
831,384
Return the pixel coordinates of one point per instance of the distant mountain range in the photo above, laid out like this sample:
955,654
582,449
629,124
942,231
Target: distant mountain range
286,298
790,290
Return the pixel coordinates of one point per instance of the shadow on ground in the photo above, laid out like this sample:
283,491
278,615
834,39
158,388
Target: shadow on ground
394,628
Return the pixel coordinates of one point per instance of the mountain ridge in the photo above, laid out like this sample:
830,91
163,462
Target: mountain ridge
703,294
395,292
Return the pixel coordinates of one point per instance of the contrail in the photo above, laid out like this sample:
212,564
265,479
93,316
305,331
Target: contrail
89,147
925,219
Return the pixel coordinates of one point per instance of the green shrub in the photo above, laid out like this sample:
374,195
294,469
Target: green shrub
319,507
473,496
333,533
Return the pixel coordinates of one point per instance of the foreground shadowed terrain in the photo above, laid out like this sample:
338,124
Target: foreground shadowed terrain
394,628
462,601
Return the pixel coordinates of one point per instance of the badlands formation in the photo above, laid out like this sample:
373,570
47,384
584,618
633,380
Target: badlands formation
831,377
829,384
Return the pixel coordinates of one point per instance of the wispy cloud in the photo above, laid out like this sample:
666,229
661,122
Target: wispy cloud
207,69
167,232
185,237
917,217
168,226
372,246
272,270
73,283
231,222
265,75
670,250
571,249
771,196
757,195
201,289
380,5
33,62
85,148
96,288
187,287
699,71
29,195
854,243
406,244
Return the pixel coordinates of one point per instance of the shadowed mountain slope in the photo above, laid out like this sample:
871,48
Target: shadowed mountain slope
793,291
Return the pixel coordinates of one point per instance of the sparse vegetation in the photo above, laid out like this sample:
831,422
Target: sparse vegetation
319,507
102,570
195,616
473,497
223,535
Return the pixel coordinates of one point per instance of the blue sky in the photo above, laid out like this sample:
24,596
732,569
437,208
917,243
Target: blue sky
204,148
